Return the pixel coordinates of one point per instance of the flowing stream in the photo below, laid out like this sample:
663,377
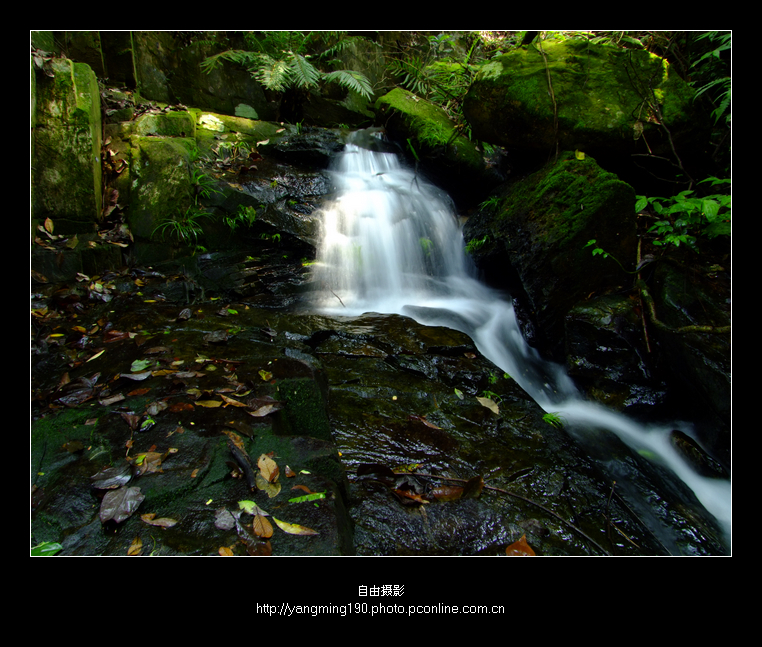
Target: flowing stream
391,243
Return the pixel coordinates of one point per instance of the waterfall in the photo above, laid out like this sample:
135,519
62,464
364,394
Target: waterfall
392,243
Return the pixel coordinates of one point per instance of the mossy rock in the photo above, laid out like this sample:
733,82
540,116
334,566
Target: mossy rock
430,138
604,98
160,171
539,229
178,123
66,141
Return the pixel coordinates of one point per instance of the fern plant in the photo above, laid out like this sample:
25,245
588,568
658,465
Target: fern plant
279,70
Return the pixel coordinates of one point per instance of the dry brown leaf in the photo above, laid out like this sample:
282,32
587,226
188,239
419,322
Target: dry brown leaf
520,548
231,401
262,527
237,440
268,468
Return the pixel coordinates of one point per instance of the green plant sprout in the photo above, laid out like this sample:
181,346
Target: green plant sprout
476,244
245,216
185,227
203,185
554,420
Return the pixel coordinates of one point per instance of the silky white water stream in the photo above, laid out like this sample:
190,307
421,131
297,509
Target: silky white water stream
391,243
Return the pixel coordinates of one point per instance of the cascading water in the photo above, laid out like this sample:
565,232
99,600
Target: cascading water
391,243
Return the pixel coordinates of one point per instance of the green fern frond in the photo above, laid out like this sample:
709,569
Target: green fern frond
238,56
303,73
272,74
353,81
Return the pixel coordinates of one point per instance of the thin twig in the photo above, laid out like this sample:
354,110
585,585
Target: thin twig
338,297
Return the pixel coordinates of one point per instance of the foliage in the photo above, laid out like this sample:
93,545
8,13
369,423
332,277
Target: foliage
203,184
554,420
476,243
711,65
685,216
185,227
279,61
244,216
46,549
438,74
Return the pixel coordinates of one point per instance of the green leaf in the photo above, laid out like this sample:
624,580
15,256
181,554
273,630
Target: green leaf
711,209
308,497
303,73
46,549
353,81
140,365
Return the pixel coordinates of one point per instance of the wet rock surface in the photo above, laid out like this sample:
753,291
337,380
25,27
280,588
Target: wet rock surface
377,412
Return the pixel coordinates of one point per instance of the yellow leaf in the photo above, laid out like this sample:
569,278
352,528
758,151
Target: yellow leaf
228,401
579,155
489,403
272,489
294,529
209,404
135,547
268,468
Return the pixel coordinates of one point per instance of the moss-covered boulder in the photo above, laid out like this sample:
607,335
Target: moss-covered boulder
603,98
66,146
533,237
431,140
160,169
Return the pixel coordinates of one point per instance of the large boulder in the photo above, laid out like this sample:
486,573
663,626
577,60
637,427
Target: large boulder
66,146
602,99
533,238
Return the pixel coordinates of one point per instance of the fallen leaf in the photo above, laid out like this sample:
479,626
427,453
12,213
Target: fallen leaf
520,548
268,468
489,403
272,489
209,404
447,493
237,440
112,477
161,522
294,529
224,520
135,548
119,504
313,496
262,527
264,410
137,376
231,401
